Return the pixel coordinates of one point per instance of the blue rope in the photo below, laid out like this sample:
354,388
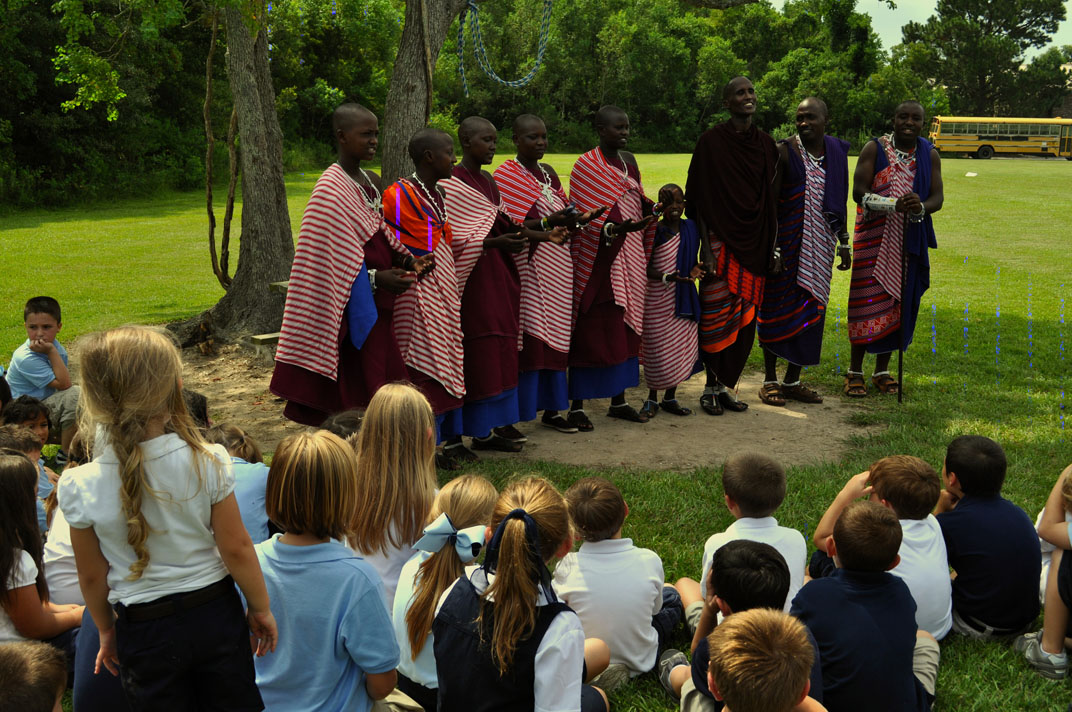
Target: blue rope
482,55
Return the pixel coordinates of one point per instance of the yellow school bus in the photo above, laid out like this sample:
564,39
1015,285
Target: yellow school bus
983,136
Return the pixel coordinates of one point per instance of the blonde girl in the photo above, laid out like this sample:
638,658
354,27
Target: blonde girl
250,474
338,651
502,638
395,479
157,536
452,539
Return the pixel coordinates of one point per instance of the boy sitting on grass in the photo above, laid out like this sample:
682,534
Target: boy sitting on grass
616,589
864,620
39,369
992,543
761,663
754,487
910,487
745,575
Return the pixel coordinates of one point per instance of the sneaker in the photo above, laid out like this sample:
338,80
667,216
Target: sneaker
1049,665
511,433
669,660
612,678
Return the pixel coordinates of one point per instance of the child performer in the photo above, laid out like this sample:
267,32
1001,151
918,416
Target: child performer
609,280
337,343
396,480
338,651
156,530
502,638
428,317
670,342
459,517
532,193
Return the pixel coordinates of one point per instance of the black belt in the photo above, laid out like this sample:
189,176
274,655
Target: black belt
175,603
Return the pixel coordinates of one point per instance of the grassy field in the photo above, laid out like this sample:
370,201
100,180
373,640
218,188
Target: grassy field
990,357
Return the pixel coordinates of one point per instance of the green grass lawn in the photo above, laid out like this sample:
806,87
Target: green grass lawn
990,357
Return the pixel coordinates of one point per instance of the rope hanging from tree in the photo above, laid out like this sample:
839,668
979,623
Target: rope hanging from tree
471,12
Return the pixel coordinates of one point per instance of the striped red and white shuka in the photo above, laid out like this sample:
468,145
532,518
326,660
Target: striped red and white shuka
331,250
427,317
669,346
901,179
817,240
593,183
471,216
546,271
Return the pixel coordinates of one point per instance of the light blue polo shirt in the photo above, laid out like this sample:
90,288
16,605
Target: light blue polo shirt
334,628
251,479
44,489
30,372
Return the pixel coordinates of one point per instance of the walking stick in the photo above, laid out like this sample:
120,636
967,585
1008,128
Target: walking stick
900,328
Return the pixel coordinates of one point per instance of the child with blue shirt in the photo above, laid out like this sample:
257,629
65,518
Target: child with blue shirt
992,543
338,649
864,620
39,368
251,476
26,441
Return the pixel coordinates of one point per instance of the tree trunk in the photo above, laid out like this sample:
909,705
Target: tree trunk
266,249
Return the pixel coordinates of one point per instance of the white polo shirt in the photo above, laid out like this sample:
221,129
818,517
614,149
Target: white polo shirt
789,543
615,588
925,569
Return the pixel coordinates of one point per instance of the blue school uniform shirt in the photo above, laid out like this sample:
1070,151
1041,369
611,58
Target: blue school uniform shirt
251,479
44,489
864,624
30,372
992,545
334,628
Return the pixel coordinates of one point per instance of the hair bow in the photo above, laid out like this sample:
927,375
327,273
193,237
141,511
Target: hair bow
532,537
467,542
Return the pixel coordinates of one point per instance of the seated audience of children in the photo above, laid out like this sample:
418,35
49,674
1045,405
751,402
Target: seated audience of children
250,474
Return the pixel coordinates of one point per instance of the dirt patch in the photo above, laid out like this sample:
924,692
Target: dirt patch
235,381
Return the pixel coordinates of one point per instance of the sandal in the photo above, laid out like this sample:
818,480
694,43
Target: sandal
771,393
731,403
557,422
710,404
460,454
496,442
672,406
650,409
885,383
511,433
855,385
579,419
625,411
799,392
444,462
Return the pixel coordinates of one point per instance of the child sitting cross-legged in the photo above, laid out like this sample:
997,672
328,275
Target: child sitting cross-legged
910,487
754,486
503,640
745,575
460,515
864,620
616,588
338,651
760,663
28,412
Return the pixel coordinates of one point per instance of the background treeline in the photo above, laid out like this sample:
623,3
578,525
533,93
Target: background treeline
662,60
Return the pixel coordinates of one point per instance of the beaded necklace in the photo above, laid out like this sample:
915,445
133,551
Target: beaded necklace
375,204
431,200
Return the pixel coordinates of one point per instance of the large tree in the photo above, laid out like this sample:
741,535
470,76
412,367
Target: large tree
977,47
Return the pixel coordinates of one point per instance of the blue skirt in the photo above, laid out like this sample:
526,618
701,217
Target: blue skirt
541,390
589,382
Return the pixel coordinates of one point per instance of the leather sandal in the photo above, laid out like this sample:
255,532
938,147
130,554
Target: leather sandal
496,442
579,419
625,411
511,433
801,393
731,403
650,409
557,422
771,393
710,404
885,383
855,385
672,406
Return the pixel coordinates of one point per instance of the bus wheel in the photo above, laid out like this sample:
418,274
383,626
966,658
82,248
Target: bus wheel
985,152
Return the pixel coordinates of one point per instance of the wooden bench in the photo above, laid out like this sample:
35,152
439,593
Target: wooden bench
262,343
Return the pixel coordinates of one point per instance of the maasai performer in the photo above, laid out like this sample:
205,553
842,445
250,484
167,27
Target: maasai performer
897,185
485,239
532,194
730,193
427,317
670,341
337,343
813,171
610,267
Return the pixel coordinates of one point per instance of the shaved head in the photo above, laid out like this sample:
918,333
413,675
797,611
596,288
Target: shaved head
731,86
523,121
910,102
607,114
427,139
817,105
347,115
471,125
